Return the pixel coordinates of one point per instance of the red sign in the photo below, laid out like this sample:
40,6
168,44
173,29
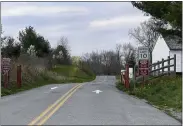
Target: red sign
143,64
143,71
5,64
143,67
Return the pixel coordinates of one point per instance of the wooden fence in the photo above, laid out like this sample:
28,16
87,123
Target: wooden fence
163,67
160,68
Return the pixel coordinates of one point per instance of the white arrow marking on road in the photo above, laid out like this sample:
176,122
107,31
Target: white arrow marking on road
97,91
53,88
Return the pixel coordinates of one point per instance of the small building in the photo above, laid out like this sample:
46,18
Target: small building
168,46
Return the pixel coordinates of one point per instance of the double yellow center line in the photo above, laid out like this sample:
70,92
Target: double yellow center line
44,116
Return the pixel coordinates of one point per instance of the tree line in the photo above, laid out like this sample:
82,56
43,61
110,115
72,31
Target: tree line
110,62
30,42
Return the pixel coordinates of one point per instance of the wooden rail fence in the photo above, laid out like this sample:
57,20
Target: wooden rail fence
163,67
160,68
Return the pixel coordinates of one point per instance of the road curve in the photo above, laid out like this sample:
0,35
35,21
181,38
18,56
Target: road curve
54,105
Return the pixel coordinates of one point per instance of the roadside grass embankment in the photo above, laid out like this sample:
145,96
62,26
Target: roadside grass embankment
73,73
32,78
164,93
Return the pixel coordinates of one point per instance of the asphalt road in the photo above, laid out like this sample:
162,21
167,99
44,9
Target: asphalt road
81,106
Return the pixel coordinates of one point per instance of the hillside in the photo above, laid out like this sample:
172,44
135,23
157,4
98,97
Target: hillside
73,73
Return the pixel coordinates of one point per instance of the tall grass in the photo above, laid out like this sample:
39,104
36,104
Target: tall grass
164,92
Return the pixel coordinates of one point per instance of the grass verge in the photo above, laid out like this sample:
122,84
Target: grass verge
165,92
58,75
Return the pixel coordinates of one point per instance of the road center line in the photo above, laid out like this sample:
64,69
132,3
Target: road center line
51,106
58,106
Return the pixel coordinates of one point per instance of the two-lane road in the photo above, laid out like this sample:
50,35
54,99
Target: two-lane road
77,104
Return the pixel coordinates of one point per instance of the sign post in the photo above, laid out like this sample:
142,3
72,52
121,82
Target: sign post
143,63
5,66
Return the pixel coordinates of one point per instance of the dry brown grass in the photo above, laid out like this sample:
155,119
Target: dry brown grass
32,67
36,72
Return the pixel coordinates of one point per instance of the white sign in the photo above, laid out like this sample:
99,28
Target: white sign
143,53
130,72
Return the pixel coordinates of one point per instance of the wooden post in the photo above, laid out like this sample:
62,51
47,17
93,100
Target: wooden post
121,77
127,76
148,69
158,68
162,66
143,81
154,73
134,77
174,64
19,76
124,79
168,65
6,80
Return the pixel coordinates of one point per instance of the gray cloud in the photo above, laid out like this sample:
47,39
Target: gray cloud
76,25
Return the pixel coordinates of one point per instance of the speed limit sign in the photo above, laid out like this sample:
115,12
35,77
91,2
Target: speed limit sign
143,53
143,57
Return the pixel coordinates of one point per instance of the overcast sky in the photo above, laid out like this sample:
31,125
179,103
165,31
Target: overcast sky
87,25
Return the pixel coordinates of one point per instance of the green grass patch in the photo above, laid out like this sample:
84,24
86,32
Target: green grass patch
71,71
41,80
164,92
58,75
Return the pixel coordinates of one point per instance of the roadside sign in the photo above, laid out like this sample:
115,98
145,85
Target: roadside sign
143,53
143,63
131,73
5,64
143,71
143,67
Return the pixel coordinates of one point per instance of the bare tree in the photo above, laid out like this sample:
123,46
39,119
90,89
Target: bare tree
62,51
85,57
64,42
129,54
104,62
119,53
146,35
